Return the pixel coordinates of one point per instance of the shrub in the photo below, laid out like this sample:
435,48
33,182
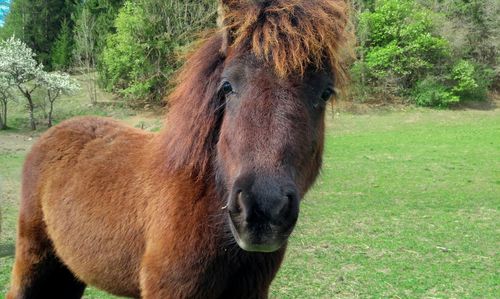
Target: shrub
470,81
141,56
431,93
400,43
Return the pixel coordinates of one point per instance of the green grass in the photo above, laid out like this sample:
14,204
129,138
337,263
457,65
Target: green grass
407,206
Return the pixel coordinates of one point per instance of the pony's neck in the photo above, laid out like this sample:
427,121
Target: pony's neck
188,141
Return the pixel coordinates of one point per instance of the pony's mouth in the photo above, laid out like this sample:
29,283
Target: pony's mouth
262,211
255,242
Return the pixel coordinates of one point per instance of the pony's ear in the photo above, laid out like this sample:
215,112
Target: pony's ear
222,9
221,12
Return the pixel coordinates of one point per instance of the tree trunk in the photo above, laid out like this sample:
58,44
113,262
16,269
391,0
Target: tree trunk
31,107
3,116
92,88
51,108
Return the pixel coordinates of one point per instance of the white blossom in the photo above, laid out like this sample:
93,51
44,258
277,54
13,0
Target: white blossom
18,61
58,82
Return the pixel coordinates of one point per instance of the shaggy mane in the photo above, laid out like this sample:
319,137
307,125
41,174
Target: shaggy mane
292,34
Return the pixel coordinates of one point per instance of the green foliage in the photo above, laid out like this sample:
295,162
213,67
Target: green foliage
62,50
124,59
463,74
400,42
431,93
141,55
470,81
465,82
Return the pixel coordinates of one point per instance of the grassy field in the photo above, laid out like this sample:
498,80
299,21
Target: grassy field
407,206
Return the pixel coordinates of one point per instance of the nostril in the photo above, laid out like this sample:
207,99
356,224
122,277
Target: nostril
240,201
235,204
286,204
291,196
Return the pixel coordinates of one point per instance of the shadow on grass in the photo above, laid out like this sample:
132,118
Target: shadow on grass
490,104
7,250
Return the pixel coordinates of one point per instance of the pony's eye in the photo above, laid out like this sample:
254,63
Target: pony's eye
327,94
226,88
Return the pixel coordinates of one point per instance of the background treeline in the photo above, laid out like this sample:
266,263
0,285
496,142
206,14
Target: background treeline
427,52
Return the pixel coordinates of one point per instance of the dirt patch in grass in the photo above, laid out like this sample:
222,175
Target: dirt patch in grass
16,142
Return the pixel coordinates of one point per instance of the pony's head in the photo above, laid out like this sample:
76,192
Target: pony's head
281,65
250,106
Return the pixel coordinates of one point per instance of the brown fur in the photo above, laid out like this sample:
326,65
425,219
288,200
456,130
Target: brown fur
140,214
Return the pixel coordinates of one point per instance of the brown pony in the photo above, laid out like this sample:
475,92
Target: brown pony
204,208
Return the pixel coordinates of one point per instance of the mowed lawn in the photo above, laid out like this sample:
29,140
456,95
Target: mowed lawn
407,206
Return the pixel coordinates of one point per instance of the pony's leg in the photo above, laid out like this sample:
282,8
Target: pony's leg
160,279
153,281
38,272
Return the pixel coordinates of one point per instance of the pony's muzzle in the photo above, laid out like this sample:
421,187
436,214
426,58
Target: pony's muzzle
262,212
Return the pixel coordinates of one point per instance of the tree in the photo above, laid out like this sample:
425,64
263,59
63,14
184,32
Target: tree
62,50
360,85
124,59
56,83
19,65
6,85
103,13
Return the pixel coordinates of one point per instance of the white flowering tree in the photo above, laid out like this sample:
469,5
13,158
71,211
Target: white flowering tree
56,84
18,64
